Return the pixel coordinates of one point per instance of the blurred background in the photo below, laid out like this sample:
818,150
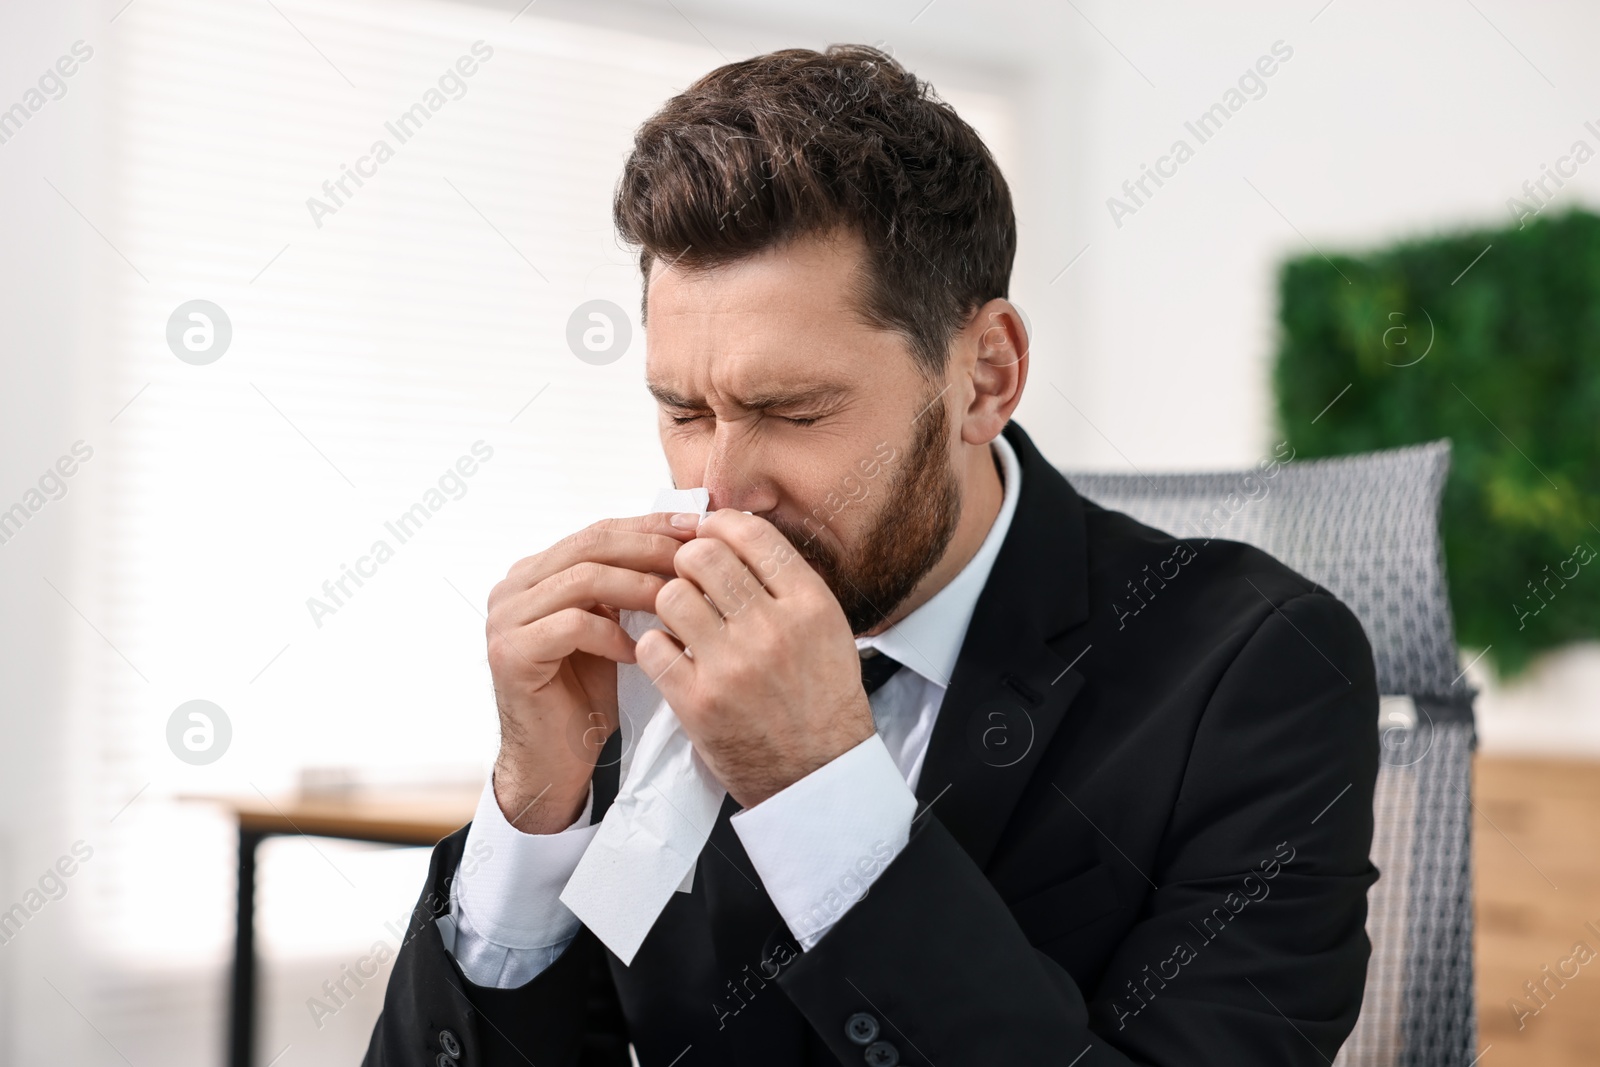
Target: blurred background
281,281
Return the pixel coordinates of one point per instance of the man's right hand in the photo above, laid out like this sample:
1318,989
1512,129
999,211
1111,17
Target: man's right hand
554,643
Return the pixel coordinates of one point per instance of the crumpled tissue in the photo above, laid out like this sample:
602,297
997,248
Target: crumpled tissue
667,801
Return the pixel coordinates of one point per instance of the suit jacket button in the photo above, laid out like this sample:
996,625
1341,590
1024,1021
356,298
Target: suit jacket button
882,1054
861,1028
443,1060
451,1046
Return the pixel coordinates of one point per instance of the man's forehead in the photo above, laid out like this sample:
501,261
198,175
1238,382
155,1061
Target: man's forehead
754,355
780,327
806,275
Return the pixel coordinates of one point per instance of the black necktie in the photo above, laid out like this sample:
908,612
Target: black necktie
876,668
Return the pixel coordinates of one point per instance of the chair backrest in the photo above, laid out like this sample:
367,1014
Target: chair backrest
1366,527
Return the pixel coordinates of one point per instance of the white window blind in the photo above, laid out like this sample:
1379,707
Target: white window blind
369,355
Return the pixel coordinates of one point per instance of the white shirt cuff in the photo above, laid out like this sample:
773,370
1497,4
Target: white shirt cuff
819,844
505,901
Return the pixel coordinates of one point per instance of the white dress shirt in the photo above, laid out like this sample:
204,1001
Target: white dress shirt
816,845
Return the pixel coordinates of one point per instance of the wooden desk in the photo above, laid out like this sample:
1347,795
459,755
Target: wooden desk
1536,877
413,817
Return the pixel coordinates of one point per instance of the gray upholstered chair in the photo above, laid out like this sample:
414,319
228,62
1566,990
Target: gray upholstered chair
1366,528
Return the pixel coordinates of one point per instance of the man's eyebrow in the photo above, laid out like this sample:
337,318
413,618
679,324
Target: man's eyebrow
668,397
787,398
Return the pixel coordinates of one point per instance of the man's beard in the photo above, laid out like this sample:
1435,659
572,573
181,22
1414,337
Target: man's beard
907,537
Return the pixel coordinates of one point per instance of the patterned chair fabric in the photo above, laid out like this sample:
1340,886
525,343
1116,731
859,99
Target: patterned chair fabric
1366,527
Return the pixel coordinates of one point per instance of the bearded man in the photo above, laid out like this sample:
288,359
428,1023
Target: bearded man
979,810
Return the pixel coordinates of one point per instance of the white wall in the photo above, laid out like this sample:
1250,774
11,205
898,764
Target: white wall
48,275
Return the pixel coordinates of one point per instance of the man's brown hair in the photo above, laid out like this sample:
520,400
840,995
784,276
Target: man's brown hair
799,143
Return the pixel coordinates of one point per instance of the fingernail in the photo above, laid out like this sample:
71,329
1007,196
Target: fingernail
686,520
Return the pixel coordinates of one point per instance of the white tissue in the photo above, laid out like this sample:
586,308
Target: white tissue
667,802
675,500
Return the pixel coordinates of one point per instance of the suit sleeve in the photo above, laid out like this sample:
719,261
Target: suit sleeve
568,1014
1279,779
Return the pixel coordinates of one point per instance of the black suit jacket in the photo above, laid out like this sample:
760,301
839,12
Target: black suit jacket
1145,821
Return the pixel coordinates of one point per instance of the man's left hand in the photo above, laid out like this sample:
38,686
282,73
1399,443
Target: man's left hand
770,689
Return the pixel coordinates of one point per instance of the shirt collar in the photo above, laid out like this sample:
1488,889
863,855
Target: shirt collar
928,641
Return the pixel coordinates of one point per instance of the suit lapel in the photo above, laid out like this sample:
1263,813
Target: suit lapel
1011,688
754,1020
742,913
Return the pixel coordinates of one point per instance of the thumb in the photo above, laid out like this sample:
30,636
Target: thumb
666,663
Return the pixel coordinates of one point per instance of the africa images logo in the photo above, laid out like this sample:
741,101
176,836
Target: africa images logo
404,127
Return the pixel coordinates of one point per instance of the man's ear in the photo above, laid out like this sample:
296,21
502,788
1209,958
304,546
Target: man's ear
996,341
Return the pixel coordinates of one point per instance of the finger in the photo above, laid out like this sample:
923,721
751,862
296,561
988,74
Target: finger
765,552
644,543
685,609
545,643
583,585
665,662
720,574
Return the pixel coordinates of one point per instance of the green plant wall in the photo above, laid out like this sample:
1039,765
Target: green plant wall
1492,339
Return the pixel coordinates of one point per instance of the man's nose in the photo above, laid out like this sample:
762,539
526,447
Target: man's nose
733,474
